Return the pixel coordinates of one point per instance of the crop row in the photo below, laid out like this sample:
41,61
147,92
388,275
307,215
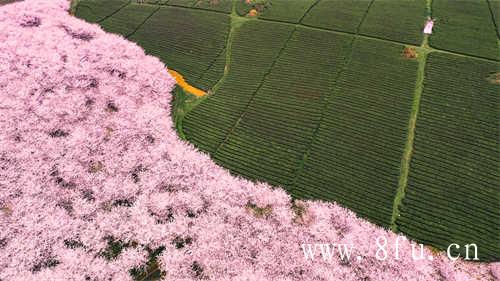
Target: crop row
128,19
465,27
188,40
401,21
255,47
277,126
337,15
96,10
453,193
213,5
278,10
355,158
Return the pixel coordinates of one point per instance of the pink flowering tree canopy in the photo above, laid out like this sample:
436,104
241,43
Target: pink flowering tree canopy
96,185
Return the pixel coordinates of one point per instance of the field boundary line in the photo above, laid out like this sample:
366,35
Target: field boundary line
230,132
112,14
493,19
214,61
334,31
326,101
184,7
308,10
143,22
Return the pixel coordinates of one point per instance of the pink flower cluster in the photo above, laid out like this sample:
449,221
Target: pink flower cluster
89,160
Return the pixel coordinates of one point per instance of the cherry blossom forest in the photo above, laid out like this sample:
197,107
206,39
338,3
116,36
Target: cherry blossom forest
96,185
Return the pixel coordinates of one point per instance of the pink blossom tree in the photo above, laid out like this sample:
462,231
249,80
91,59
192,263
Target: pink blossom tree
96,185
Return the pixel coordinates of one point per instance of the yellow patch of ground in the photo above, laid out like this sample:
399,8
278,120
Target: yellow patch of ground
185,85
253,13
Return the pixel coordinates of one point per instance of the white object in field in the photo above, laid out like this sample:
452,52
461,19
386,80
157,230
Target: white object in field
428,27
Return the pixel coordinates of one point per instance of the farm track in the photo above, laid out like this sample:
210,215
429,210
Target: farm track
405,161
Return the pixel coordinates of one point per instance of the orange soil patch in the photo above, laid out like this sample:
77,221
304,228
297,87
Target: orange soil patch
184,85
252,13
410,53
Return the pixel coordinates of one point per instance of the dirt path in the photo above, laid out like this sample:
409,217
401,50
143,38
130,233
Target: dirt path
185,85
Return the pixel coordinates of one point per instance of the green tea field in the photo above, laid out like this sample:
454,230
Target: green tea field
341,100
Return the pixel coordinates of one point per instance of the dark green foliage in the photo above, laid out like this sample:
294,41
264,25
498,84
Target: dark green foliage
342,15
356,156
3,2
115,248
46,263
401,20
453,193
151,270
466,27
198,270
128,19
73,244
189,40
97,10
181,242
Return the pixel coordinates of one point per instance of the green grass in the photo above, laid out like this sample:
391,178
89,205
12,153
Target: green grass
452,194
181,104
465,27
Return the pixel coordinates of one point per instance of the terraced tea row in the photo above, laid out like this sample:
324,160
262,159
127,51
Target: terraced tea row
400,21
356,154
283,114
128,19
208,125
191,41
316,96
96,10
466,27
452,194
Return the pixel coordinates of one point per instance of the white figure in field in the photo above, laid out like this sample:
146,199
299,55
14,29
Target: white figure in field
428,26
